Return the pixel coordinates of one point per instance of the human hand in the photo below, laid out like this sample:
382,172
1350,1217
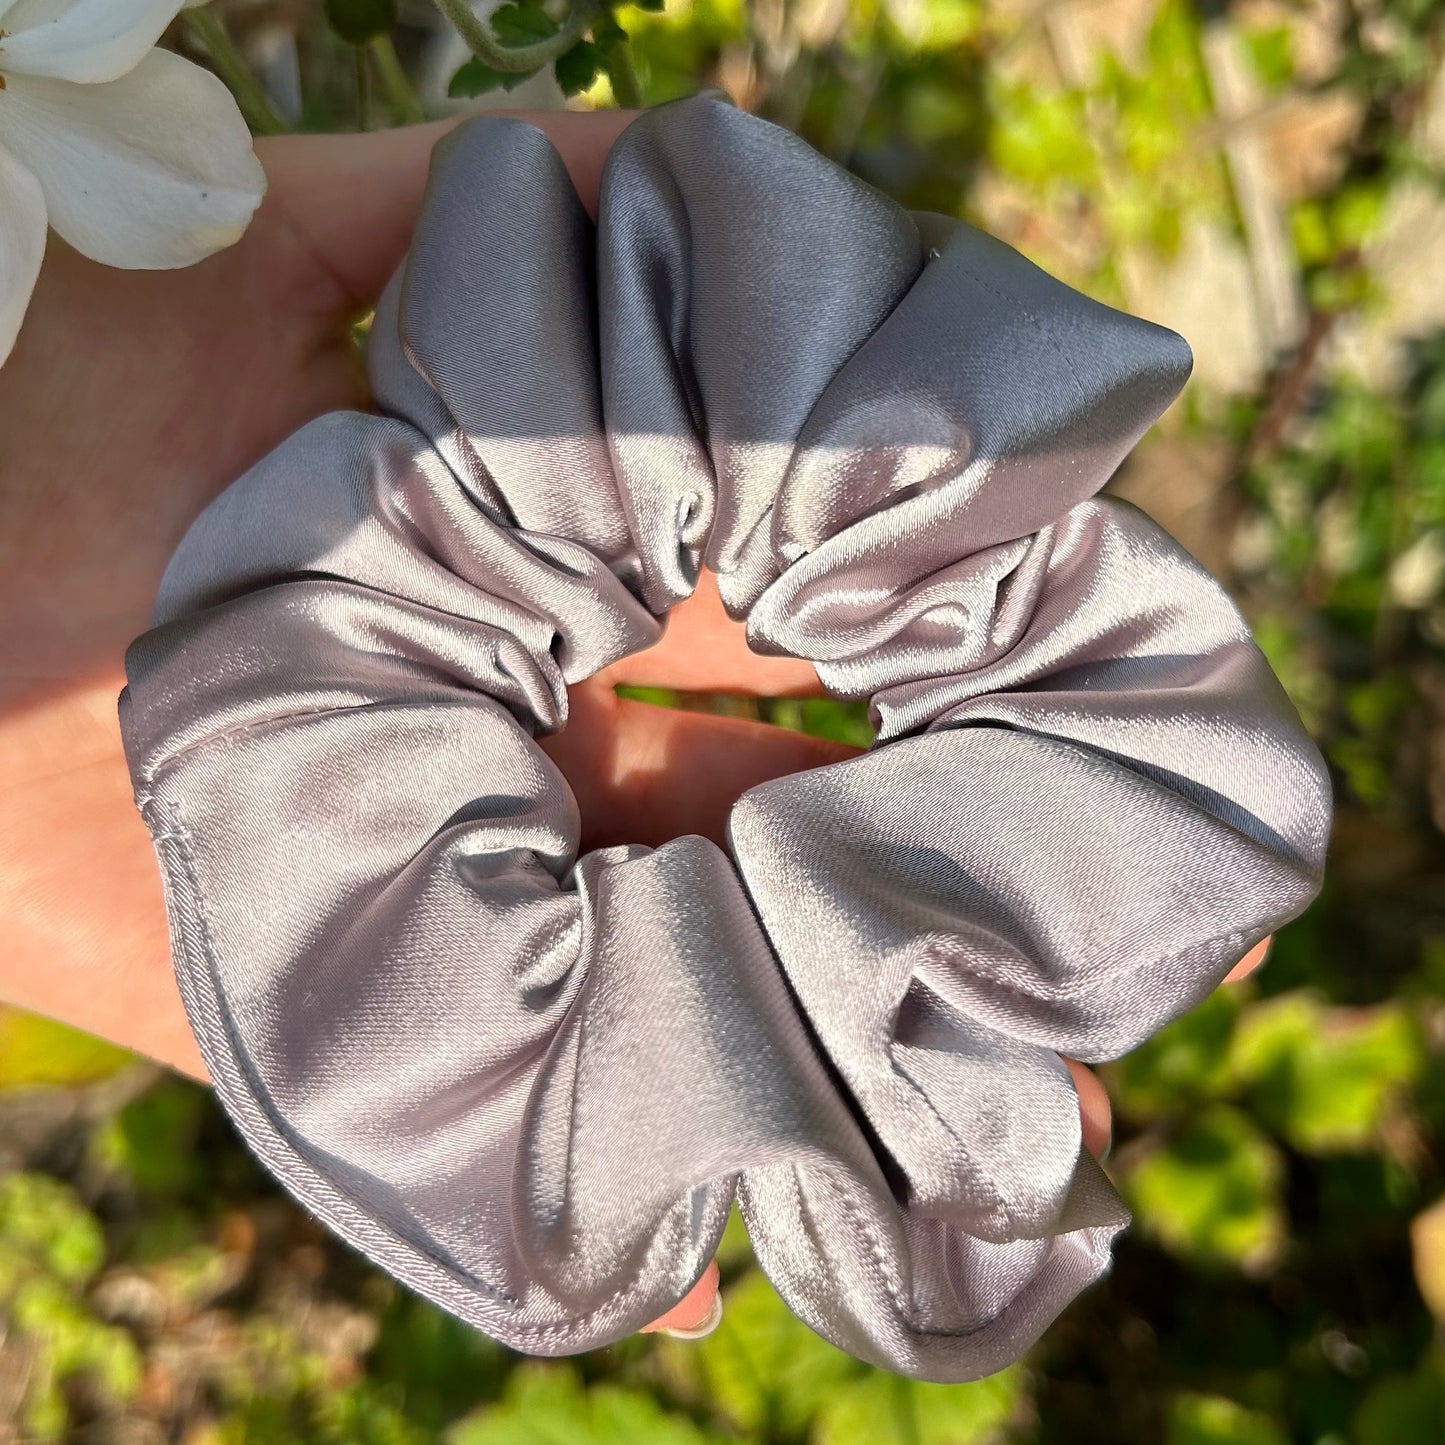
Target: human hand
130,401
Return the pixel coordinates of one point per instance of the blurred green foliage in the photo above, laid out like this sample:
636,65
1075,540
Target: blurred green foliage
1282,1145
36,1051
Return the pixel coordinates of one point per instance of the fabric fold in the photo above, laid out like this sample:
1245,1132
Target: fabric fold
531,1085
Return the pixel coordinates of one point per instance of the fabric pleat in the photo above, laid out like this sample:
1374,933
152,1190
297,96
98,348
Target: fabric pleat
531,1085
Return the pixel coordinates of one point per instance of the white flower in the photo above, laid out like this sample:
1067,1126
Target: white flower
138,158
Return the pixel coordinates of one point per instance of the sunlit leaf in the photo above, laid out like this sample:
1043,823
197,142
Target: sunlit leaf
887,1409
35,1050
45,1220
1271,49
548,1405
1214,1191
1044,138
763,1368
1213,1420
1325,1078
50,1316
1186,1061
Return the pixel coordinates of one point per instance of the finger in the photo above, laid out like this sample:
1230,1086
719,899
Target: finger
1095,1111
696,1314
645,774
84,923
352,200
704,650
1251,961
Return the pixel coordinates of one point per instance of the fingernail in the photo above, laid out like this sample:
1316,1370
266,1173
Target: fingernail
1249,964
698,1331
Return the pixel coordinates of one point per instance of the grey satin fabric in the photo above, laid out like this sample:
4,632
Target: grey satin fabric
530,1086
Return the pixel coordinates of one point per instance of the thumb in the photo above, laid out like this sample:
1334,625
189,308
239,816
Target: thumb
696,1314
352,200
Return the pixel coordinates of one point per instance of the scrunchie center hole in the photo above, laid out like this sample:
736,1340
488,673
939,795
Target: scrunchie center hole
662,744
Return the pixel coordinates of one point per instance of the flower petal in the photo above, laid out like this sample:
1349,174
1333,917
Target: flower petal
87,41
22,244
150,171
17,13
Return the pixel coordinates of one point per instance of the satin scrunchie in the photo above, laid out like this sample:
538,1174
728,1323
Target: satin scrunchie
531,1086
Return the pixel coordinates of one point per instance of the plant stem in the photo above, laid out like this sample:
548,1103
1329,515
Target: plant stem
622,73
518,58
396,82
261,115
363,87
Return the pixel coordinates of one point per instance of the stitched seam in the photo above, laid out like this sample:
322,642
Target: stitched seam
871,1252
181,839
1049,338
391,1245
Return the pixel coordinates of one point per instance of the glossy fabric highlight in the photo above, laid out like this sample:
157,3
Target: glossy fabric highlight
531,1085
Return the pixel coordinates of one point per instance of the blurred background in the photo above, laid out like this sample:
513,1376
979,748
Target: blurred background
1263,176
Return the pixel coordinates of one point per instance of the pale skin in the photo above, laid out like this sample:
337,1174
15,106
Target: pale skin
132,399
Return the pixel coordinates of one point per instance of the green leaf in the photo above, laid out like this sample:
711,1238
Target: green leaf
1213,1420
359,21
657,696
734,1249
548,1405
606,31
1043,138
1310,228
947,26
1355,212
885,1409
1404,1409
844,722
1187,1061
654,7
45,1222
1271,50
1214,1192
35,1050
475,79
1326,1078
522,24
766,1370
364,1414
151,1141
72,1343
577,68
